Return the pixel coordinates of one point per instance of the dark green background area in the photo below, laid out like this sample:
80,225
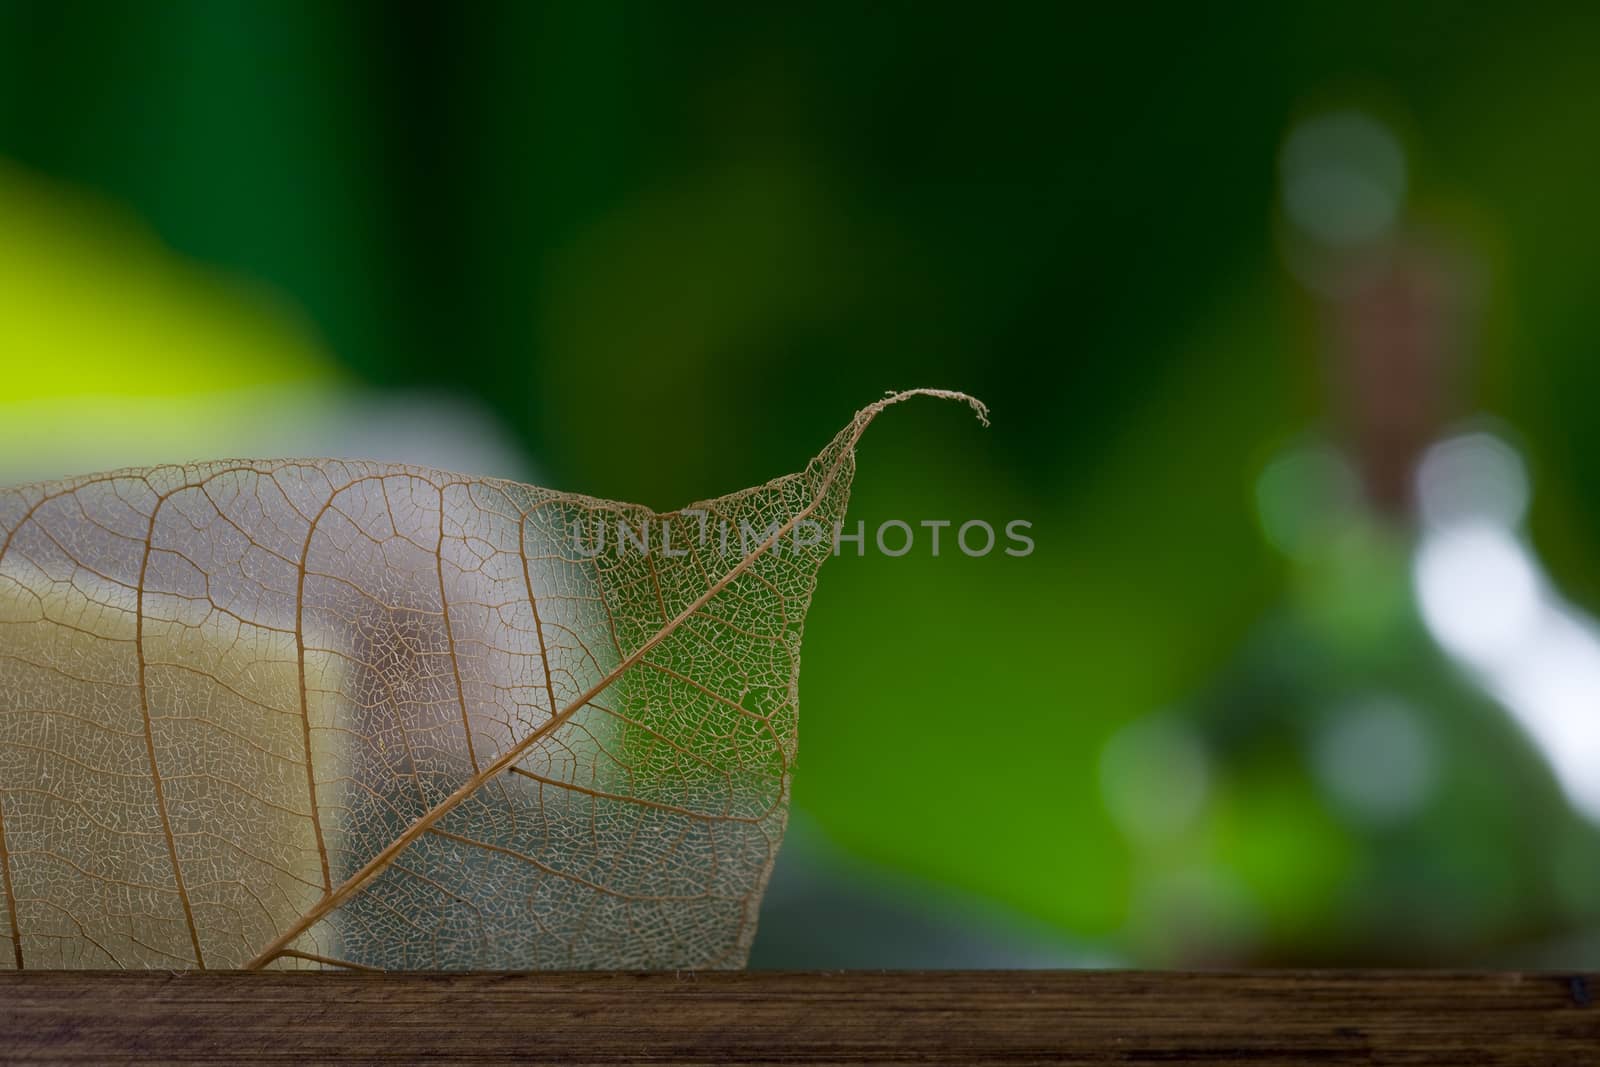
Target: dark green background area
673,247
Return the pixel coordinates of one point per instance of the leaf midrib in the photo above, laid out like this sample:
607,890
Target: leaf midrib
375,866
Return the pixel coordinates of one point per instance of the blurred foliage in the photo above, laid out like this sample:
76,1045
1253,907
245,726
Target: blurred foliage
612,221
99,307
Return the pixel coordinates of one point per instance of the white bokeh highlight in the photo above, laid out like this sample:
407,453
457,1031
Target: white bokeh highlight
1485,599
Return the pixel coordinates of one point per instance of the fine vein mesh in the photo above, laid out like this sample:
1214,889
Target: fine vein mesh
305,713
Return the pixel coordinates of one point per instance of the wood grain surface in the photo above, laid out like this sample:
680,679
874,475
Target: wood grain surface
971,1017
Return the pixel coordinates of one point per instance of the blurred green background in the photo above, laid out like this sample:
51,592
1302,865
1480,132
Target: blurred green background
1287,319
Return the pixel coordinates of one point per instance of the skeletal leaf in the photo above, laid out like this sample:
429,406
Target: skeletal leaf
311,713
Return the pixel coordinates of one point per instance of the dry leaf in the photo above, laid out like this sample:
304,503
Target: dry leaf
307,713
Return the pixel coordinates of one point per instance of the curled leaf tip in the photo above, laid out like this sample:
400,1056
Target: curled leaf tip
894,396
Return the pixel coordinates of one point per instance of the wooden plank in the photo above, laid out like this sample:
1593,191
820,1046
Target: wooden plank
967,1017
